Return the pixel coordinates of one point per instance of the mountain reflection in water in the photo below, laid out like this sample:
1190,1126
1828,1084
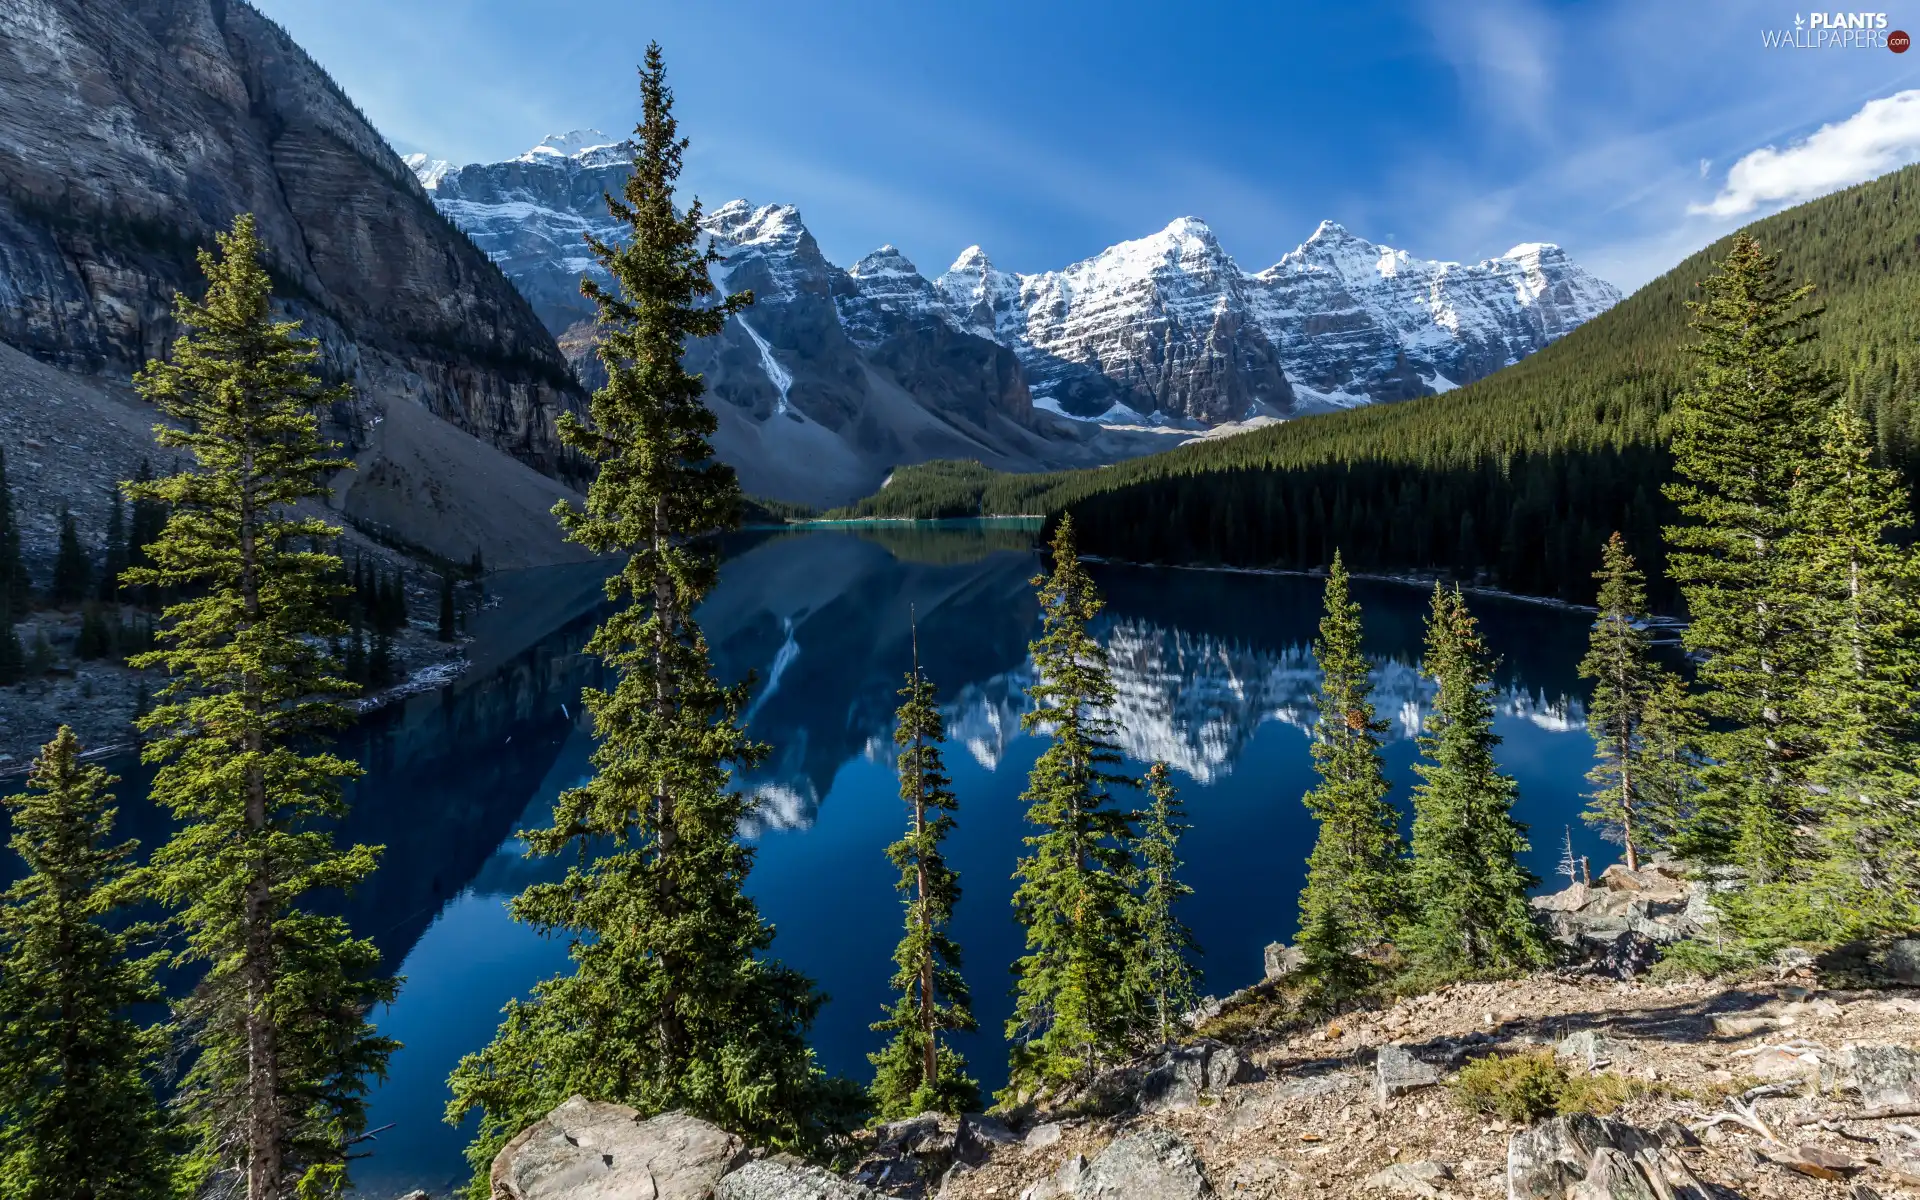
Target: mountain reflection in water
1214,677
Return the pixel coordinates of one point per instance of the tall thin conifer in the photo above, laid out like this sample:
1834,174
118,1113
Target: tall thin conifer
672,1001
78,1116
1467,887
1072,1005
917,1072
1356,873
284,1051
1169,978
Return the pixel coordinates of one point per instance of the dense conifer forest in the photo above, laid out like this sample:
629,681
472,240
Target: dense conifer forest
1515,480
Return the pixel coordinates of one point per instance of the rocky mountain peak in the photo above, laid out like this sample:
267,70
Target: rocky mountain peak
571,144
885,261
429,171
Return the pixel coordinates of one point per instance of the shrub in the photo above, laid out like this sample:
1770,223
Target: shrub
1527,1087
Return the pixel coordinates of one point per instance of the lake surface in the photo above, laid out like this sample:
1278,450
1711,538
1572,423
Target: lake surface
1214,677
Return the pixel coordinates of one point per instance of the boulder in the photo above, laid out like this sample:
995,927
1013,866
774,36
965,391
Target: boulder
909,1134
1282,959
1396,1072
782,1178
1042,1136
1612,1175
1059,1184
978,1134
1147,1164
1552,1156
1183,1074
1625,955
1885,1076
1591,1047
1901,962
1410,1179
592,1150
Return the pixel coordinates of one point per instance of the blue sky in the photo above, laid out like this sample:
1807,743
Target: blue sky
1632,132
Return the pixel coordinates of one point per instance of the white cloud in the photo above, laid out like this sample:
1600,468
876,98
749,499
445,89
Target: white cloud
1883,135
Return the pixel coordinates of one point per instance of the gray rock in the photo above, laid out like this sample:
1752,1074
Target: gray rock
906,1135
1901,963
1396,1072
1612,1175
1059,1184
1185,1073
1042,1136
783,1179
1591,1047
1885,1076
978,1135
1282,959
1673,1135
1552,1156
1624,955
592,1150
1147,1164
1411,1179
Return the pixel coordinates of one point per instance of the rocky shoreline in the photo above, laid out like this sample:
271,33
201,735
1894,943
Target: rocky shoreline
1775,1087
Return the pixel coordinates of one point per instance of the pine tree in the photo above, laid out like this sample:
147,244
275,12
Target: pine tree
447,609
96,636
1636,803
1169,980
69,564
1861,874
1467,887
148,517
354,663
671,1003
916,1072
116,550
1355,872
284,1049
78,1116
1072,1006
1743,434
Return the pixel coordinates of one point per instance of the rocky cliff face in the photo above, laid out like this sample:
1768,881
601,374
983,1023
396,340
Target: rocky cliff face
132,130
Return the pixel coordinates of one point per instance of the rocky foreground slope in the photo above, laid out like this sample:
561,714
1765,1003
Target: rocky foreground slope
1779,1087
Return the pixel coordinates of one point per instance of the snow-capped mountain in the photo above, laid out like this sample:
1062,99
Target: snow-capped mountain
1102,359
1359,323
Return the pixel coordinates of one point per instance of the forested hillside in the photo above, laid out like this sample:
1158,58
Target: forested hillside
1516,479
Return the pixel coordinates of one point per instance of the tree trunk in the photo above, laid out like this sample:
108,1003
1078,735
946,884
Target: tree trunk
264,1132
669,1027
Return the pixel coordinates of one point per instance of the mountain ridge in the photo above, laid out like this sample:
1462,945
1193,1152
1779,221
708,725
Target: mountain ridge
1353,320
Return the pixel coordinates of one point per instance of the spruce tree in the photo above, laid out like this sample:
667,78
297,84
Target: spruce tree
276,1091
70,570
1637,802
916,1072
447,609
78,1115
1355,875
13,570
1743,434
116,550
1072,1005
144,523
1169,980
1860,876
380,664
671,1002
1467,888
